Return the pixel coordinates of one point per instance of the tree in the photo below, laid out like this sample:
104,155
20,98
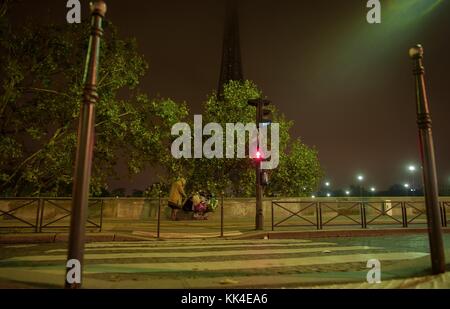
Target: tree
42,82
299,171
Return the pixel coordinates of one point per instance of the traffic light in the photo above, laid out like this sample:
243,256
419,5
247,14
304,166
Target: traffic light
263,114
266,117
258,155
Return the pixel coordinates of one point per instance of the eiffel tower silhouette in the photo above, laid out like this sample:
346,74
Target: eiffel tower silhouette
231,67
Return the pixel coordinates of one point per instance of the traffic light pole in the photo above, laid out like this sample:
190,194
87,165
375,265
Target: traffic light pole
259,220
83,161
429,164
259,217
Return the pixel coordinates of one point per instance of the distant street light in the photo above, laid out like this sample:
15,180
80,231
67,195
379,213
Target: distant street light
373,190
313,196
328,194
360,179
412,169
347,192
407,187
327,184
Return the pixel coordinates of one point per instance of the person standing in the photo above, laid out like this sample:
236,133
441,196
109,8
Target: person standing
176,197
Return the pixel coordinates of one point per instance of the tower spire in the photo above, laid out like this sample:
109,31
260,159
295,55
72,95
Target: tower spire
231,68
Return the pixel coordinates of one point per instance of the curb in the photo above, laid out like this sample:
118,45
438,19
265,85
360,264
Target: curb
64,237
119,237
334,233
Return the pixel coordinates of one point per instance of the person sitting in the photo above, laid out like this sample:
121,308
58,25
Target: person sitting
176,197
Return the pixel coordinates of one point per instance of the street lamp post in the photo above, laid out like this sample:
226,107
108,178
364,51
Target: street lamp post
412,170
83,162
428,163
326,189
407,186
360,179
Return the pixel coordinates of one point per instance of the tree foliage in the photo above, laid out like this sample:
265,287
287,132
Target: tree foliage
41,76
299,171
42,82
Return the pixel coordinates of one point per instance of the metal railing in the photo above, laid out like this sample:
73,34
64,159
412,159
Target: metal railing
48,213
54,214
15,217
298,213
44,214
322,214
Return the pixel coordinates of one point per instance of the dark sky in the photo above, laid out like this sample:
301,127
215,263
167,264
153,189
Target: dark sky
347,85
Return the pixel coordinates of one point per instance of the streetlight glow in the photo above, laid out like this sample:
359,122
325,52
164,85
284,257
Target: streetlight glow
347,192
327,184
360,177
406,185
372,189
412,168
328,194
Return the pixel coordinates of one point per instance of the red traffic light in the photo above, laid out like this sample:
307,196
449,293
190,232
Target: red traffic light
258,156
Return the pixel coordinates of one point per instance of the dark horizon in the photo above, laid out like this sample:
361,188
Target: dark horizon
347,85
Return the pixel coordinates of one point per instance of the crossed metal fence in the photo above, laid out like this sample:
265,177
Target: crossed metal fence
40,214
319,214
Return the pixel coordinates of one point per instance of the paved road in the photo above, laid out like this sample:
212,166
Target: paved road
219,263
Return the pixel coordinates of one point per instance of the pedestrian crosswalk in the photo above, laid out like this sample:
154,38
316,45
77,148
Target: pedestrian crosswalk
203,260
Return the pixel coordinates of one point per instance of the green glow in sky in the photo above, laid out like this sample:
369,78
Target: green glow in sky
406,11
361,43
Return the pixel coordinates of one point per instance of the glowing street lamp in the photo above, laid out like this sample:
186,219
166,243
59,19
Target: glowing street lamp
327,184
360,179
328,194
412,169
407,186
347,192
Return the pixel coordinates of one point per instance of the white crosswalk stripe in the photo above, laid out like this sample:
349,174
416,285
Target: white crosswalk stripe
213,259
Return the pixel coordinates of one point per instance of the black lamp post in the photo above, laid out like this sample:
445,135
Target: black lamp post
85,146
428,163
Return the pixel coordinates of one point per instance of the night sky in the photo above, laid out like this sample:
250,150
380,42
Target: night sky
348,85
